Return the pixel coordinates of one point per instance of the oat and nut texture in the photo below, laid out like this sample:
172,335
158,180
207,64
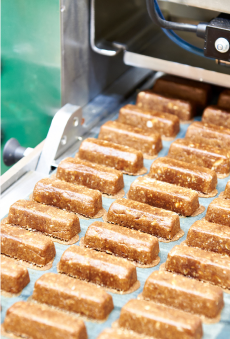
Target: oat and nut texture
42,319
185,89
219,211
67,196
167,125
107,153
184,174
217,116
159,321
210,237
18,243
200,264
144,218
184,110
123,242
104,179
186,294
214,158
209,134
99,268
147,142
13,276
73,295
164,195
47,219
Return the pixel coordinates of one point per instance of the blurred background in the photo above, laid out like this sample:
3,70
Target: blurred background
30,70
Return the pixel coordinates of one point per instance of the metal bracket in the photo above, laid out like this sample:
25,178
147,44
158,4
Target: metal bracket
103,47
64,131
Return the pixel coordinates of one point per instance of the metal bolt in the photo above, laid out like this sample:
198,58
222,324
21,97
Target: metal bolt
63,140
75,121
222,45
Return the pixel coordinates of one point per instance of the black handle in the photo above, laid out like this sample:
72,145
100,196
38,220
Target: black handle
12,152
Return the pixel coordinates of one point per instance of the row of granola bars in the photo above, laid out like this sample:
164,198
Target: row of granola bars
169,306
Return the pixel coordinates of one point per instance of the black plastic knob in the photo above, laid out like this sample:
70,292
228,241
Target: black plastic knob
12,152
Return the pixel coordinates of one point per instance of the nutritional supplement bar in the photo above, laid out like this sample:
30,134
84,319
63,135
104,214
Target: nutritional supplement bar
140,139
227,191
106,153
224,99
184,293
199,264
159,321
104,179
216,159
110,333
13,277
219,211
209,134
166,124
47,219
184,110
186,89
99,268
217,116
36,321
144,218
184,174
24,245
73,295
209,236
164,195
123,242
64,195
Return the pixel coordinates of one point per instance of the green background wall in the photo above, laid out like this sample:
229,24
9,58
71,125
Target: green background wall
30,71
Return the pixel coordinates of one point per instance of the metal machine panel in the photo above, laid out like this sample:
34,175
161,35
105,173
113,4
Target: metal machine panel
214,5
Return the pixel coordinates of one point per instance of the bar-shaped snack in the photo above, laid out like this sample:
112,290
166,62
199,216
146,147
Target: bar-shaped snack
209,236
47,219
183,109
147,142
226,194
184,293
21,244
107,153
185,89
199,264
159,321
73,295
123,242
184,174
67,196
111,333
210,134
217,116
166,124
104,179
214,158
13,277
144,218
224,99
34,321
99,268
219,212
164,195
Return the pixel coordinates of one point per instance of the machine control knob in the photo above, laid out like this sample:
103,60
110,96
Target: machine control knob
13,152
222,45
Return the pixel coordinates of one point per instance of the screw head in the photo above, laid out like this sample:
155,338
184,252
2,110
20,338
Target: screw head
63,140
222,45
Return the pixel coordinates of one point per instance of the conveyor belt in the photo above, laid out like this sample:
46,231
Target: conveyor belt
220,330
